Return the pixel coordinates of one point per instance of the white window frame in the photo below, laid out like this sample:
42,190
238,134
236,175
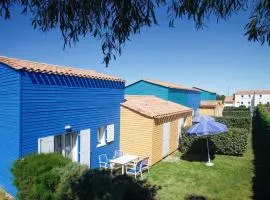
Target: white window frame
101,141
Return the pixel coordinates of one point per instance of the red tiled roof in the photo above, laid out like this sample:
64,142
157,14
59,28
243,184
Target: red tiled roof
228,99
210,104
169,85
154,107
243,92
55,69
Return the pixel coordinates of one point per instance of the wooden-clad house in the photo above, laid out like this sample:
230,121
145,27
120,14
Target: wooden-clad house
212,108
48,108
151,126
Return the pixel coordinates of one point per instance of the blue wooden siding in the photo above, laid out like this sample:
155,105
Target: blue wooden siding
50,102
179,96
184,97
194,99
145,88
187,98
9,124
207,96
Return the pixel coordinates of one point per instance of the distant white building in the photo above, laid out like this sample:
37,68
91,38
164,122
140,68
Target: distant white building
229,101
250,98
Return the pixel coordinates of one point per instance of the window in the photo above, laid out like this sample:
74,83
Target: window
268,103
110,133
242,102
249,95
242,96
101,136
260,96
249,102
260,102
64,144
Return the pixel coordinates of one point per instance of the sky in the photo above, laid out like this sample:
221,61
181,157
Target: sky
218,57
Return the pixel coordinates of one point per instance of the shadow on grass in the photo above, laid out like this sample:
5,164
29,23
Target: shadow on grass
198,151
195,197
261,149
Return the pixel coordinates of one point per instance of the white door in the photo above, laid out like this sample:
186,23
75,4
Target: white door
85,147
180,126
166,139
46,144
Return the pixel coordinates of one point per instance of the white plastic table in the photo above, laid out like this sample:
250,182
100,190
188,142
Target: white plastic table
123,160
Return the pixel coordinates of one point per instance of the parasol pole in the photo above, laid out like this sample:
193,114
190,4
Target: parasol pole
209,160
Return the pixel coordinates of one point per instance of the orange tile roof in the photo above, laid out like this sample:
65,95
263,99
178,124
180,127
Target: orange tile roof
210,104
228,99
154,107
169,85
242,92
55,69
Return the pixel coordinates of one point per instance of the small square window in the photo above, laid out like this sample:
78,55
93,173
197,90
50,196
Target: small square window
260,96
249,102
249,95
101,136
260,102
242,96
242,102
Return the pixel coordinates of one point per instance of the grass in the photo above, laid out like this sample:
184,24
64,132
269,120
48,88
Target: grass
229,178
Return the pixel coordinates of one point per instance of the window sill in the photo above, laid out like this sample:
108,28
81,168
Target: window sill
101,145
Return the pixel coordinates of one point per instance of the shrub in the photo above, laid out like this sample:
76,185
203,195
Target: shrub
53,177
232,143
236,113
236,122
31,170
241,108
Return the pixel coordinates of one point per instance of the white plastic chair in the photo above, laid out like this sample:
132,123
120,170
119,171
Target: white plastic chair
135,170
103,161
145,165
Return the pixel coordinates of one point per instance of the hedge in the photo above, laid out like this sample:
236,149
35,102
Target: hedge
53,177
241,108
232,143
236,113
236,122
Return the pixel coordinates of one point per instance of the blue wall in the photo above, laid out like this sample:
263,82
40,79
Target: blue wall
178,96
50,102
9,124
205,95
194,99
184,97
145,88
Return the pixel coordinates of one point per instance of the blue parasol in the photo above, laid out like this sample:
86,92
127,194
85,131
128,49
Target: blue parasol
207,128
202,118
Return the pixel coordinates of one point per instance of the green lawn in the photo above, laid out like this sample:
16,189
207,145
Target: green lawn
230,178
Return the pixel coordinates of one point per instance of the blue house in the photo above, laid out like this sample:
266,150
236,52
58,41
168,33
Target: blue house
47,108
173,92
206,94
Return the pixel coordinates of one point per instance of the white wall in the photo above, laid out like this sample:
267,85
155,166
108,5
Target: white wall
247,99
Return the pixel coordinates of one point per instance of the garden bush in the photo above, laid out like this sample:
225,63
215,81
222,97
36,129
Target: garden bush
236,113
241,108
236,122
30,172
232,143
53,177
